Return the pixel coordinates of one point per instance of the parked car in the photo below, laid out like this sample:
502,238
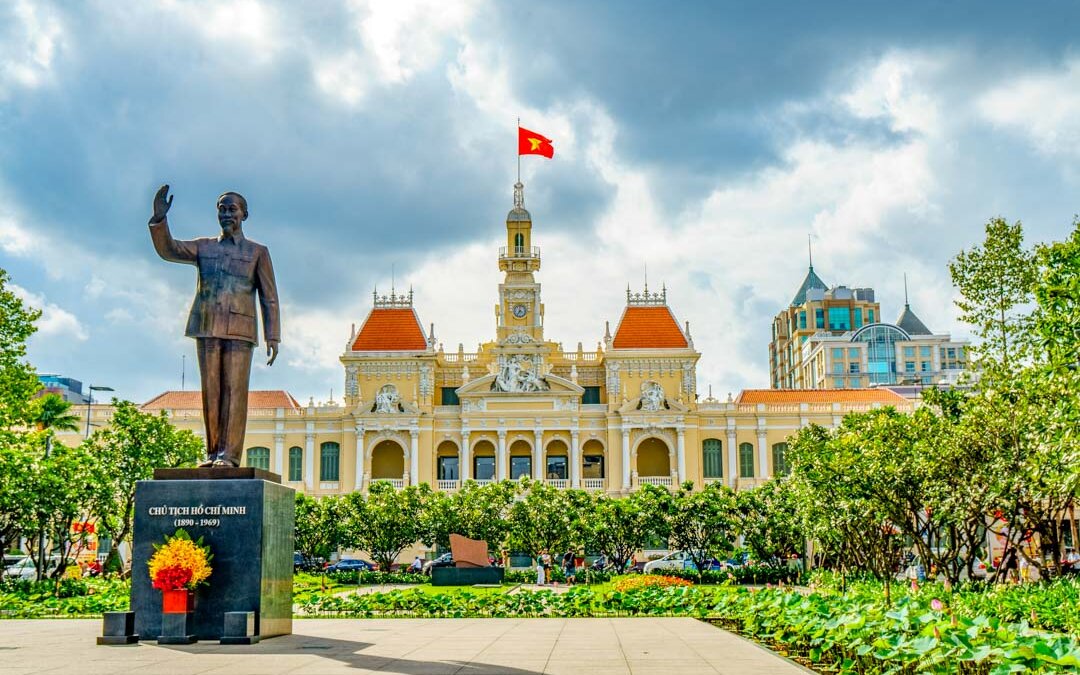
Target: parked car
350,565
305,563
27,568
676,560
445,560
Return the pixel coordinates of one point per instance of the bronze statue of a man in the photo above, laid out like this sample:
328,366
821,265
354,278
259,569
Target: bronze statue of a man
232,269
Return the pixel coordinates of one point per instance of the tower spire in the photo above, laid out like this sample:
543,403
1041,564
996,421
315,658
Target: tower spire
810,249
906,303
519,194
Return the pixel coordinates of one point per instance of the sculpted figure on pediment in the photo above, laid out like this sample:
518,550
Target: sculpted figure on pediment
387,400
652,396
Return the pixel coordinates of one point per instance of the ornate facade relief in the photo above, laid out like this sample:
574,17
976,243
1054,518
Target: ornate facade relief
519,374
652,397
479,405
518,337
352,386
613,379
427,380
388,400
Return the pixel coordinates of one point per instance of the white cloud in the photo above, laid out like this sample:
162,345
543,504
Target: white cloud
394,41
1043,107
406,37
55,321
28,48
892,89
247,31
14,239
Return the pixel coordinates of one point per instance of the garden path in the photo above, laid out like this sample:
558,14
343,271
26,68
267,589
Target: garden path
638,646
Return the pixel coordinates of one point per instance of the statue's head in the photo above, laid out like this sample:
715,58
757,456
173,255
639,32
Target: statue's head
232,210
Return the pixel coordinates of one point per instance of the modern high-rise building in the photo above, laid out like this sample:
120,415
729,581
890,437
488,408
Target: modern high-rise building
834,338
815,311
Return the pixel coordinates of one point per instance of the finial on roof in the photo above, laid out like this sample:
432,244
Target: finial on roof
519,195
810,249
394,300
646,298
906,303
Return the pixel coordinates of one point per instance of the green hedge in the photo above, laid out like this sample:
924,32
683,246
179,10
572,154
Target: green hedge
354,577
747,574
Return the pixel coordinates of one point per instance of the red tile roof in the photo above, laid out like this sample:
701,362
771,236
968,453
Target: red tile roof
192,400
873,395
390,330
648,328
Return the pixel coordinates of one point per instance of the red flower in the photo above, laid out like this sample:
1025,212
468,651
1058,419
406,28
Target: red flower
172,578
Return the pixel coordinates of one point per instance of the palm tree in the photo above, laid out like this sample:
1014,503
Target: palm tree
51,413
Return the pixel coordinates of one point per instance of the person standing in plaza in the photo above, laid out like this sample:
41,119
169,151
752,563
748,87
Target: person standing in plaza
232,271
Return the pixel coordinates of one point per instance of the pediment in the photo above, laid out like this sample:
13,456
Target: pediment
557,387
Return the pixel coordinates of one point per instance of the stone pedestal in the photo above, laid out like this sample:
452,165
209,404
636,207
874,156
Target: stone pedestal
466,576
246,517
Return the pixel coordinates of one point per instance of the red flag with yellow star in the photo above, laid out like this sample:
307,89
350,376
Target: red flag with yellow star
532,143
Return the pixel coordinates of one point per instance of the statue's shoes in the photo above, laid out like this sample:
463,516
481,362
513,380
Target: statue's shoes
208,462
218,463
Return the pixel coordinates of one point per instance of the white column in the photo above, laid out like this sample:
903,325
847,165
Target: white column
309,457
575,460
501,462
626,459
466,457
763,455
279,456
358,483
680,454
732,457
414,456
538,454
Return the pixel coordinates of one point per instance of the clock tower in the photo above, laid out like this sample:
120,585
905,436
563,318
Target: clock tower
519,314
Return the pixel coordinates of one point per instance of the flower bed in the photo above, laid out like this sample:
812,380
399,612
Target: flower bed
649,581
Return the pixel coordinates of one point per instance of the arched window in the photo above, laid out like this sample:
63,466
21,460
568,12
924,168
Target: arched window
259,458
519,243
296,463
711,461
779,459
746,460
329,456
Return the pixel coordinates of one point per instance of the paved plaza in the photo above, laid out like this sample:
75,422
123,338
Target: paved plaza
408,647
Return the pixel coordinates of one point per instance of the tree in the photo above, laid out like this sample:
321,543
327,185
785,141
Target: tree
995,284
544,519
18,381
619,526
833,505
768,520
318,529
17,490
51,412
705,523
128,450
475,511
386,522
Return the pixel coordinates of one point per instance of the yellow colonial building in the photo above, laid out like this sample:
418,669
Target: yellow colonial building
624,415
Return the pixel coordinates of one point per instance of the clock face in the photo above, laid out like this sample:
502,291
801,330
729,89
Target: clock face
519,310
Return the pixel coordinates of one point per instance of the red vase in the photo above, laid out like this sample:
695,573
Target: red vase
177,602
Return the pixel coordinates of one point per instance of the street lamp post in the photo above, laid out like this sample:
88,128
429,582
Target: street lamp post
89,400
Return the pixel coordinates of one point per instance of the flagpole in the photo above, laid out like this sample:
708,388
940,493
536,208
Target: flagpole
519,150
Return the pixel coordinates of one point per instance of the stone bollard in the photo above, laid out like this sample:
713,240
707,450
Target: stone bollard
118,628
239,629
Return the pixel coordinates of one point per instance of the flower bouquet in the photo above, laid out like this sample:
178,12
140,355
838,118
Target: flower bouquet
177,567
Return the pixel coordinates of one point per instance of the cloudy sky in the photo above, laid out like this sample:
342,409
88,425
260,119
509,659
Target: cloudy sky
704,142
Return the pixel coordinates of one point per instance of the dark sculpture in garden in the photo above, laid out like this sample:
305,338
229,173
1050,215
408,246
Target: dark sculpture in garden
232,270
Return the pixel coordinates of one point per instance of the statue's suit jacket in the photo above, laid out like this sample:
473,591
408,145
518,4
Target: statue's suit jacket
230,273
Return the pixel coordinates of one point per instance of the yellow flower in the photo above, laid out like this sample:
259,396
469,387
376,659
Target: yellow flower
180,551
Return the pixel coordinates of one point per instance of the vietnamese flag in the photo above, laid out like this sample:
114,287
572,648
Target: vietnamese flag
532,143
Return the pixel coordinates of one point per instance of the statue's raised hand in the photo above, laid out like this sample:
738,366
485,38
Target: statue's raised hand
162,202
